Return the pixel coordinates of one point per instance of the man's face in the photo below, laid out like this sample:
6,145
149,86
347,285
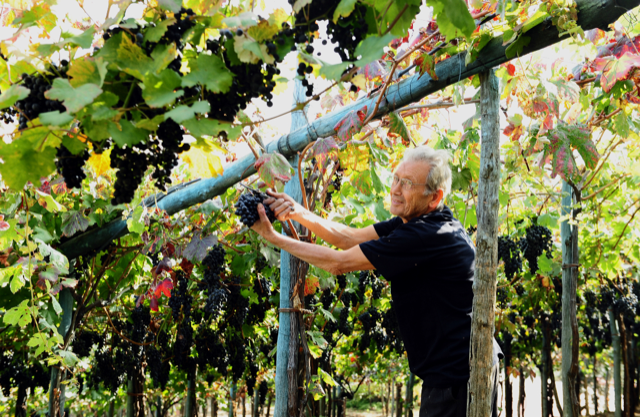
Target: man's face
408,204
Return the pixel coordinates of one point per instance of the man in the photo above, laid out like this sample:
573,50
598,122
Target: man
427,257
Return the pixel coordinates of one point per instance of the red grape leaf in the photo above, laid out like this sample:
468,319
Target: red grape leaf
362,181
63,283
511,69
616,69
426,63
325,148
562,139
274,167
328,102
153,303
73,222
563,163
580,139
397,128
594,35
197,249
311,284
164,287
351,124
374,70
59,186
514,131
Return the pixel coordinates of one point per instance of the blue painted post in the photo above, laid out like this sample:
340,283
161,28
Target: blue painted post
292,188
232,398
66,302
130,398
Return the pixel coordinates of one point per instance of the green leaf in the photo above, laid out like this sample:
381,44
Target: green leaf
159,90
183,112
136,223
17,282
87,70
210,71
334,71
326,378
208,127
245,19
274,167
299,4
48,202
344,9
154,34
453,18
73,222
74,99
397,127
6,274
22,163
15,315
621,124
615,69
351,124
56,306
55,118
162,56
126,55
426,63
69,359
84,40
56,258
171,5
127,134
14,93
533,21
515,49
372,48
150,124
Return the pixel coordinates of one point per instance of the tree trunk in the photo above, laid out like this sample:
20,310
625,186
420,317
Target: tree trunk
521,394
398,400
570,341
21,401
214,406
617,385
159,406
484,282
268,405
244,406
408,397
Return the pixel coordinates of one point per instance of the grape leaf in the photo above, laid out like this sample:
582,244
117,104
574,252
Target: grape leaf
351,124
372,48
74,99
199,128
4,226
517,46
100,163
563,162
164,287
362,182
171,5
14,93
198,247
325,148
126,133
328,101
155,33
311,285
55,118
210,71
374,70
264,31
615,69
73,222
159,90
580,138
621,124
137,220
426,63
344,9
22,163
334,71
203,164
453,18
183,112
299,4
397,127
244,19
273,167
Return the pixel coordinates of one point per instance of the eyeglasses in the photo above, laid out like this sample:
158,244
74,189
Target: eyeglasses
406,183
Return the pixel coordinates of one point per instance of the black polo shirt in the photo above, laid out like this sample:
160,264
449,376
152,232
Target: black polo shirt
429,262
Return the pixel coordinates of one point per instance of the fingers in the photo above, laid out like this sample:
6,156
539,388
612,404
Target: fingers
275,194
262,213
281,208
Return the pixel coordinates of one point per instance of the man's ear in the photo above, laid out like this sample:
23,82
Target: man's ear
437,198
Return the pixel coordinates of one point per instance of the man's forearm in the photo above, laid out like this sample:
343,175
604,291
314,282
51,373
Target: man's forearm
331,232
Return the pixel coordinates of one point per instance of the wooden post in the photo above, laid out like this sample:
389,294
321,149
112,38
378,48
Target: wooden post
159,406
398,399
232,398
56,390
130,397
111,408
484,282
595,386
408,397
508,386
617,382
570,342
191,397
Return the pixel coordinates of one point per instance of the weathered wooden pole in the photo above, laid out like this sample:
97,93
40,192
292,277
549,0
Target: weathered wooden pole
56,390
286,362
617,380
570,341
484,281
191,397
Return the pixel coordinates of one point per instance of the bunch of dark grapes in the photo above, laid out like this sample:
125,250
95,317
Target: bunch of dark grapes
180,300
364,279
509,252
304,69
70,166
252,374
165,157
214,261
211,350
35,103
237,350
347,32
84,340
158,368
258,311
247,209
538,241
106,371
327,298
263,389
502,295
342,281
215,290
261,264
237,306
625,305
8,115
344,327
377,285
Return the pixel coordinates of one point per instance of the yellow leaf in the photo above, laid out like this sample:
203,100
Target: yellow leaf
202,164
360,81
100,163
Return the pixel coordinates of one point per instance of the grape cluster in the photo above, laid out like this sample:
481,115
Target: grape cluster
537,241
263,389
35,103
70,166
342,281
509,253
257,311
8,115
247,209
83,341
304,69
344,327
502,295
16,372
106,370
327,298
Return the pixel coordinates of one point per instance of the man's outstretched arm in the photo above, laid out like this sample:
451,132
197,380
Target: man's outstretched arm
339,235
334,261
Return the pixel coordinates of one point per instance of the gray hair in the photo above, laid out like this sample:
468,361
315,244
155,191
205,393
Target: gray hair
439,177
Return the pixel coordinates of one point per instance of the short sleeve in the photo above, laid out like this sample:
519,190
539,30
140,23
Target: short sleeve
386,227
397,253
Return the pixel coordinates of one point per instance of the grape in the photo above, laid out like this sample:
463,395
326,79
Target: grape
35,103
342,281
343,322
327,298
509,252
538,241
214,261
83,341
247,209
262,392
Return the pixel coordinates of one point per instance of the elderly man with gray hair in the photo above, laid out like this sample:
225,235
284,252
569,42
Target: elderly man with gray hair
427,257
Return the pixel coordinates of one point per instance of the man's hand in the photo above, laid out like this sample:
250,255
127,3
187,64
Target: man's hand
283,206
263,226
